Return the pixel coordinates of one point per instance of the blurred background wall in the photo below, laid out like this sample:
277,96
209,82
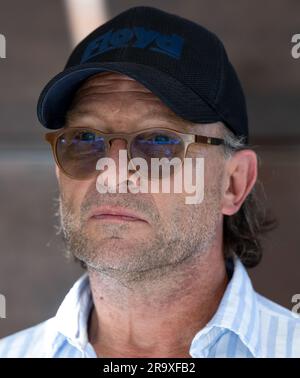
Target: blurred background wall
34,274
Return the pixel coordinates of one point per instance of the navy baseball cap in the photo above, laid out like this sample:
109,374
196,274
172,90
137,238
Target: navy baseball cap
181,62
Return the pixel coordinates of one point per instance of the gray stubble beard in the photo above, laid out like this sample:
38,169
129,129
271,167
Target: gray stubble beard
190,234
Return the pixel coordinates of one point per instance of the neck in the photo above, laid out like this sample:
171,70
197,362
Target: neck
156,318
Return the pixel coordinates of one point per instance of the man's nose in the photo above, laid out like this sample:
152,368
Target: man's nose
115,145
119,178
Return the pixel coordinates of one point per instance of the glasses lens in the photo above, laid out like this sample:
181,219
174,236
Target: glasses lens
157,145
78,152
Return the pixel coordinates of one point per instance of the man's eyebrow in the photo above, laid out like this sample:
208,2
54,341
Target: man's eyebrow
73,114
162,115
167,117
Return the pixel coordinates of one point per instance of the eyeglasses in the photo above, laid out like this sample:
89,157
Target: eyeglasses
77,149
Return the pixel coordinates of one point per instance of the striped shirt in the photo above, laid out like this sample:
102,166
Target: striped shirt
244,325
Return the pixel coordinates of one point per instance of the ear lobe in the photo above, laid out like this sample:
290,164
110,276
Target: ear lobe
241,177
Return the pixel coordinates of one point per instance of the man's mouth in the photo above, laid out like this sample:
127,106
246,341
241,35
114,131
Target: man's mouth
115,214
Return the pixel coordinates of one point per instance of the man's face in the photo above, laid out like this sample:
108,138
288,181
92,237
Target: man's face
166,230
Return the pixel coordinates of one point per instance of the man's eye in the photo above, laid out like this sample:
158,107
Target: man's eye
158,139
165,139
161,139
87,137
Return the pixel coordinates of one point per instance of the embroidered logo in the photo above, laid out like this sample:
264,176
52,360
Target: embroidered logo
138,37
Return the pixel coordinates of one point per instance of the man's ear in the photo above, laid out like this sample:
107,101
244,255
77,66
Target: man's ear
240,176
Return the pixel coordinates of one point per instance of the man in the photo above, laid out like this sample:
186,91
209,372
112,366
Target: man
163,278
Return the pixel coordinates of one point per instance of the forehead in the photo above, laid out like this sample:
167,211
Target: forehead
111,97
106,79
118,92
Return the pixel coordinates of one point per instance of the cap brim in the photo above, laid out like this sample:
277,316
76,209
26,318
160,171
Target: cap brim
57,95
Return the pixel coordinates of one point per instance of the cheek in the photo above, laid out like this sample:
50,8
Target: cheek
213,164
72,191
214,181
178,219
171,208
198,183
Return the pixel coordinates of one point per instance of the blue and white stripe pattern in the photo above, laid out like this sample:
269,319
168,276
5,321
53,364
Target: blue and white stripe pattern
245,325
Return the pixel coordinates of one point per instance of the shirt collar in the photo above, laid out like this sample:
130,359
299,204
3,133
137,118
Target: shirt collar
71,320
237,312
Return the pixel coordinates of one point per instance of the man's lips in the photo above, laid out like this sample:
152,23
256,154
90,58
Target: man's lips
117,214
